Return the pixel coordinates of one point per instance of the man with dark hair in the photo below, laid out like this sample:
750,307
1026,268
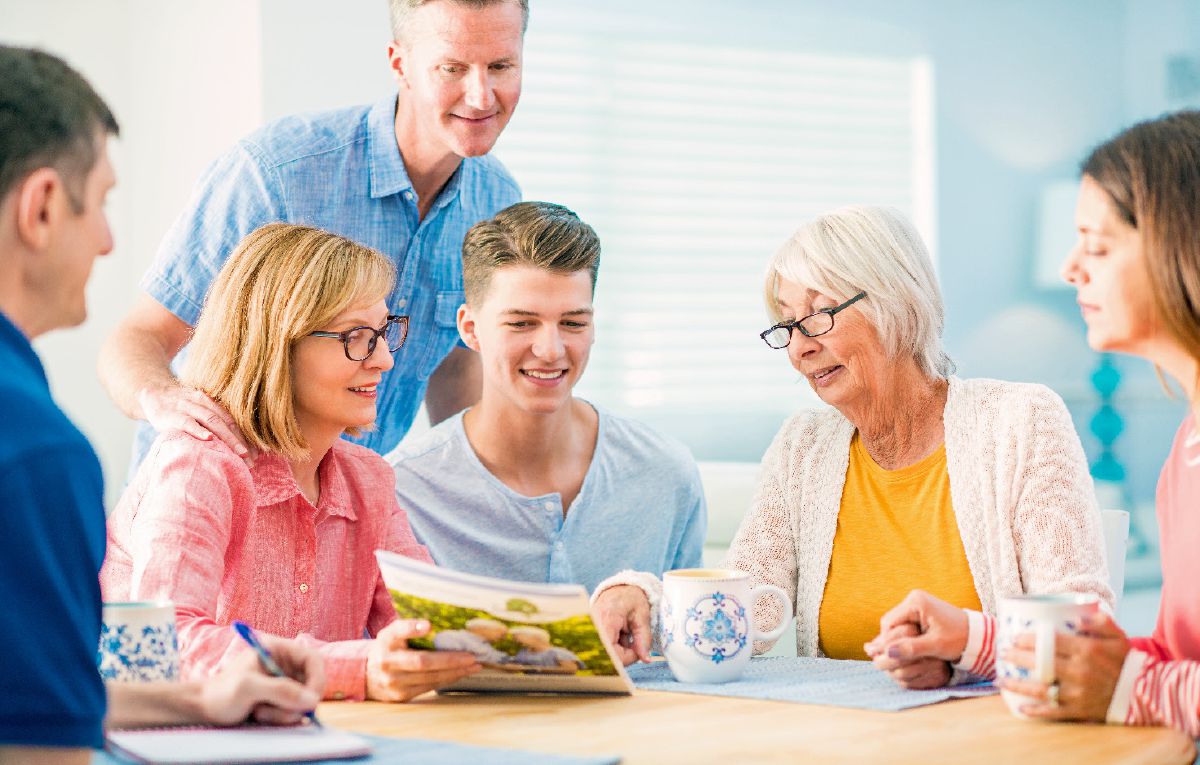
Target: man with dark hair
406,176
533,483
54,177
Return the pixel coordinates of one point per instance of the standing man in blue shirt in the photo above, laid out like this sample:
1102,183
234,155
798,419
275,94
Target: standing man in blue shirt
54,177
407,176
533,483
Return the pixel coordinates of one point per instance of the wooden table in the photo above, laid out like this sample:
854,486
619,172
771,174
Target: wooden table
660,727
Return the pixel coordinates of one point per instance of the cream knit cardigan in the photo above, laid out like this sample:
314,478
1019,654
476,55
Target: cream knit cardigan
1019,484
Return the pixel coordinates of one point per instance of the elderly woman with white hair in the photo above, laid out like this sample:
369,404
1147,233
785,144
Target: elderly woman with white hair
911,478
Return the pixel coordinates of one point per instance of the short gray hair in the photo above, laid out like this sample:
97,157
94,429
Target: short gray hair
875,250
402,10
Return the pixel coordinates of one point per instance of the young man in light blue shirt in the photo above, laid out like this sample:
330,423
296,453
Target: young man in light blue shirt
532,483
407,176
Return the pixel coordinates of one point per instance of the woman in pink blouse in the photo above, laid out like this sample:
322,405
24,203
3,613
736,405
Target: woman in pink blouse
293,340
1136,269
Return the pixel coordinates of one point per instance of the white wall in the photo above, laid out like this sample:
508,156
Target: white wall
184,80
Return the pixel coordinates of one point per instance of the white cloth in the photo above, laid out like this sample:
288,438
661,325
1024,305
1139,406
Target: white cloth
1019,483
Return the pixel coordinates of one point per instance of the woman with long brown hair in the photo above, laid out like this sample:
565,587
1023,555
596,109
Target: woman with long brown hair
1136,269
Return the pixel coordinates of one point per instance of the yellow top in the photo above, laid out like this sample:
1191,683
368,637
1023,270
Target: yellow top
896,532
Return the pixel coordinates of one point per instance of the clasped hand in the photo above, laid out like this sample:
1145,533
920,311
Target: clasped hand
919,640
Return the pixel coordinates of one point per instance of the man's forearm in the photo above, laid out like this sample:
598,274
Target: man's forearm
456,384
141,705
132,360
44,755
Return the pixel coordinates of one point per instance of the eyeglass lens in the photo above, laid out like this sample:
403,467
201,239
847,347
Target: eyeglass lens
361,342
817,324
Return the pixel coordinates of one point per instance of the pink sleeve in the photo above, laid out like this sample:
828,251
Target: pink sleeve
1155,645
398,538
1166,693
179,537
345,666
979,655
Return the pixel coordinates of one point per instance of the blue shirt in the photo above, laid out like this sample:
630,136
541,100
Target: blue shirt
340,171
51,548
641,507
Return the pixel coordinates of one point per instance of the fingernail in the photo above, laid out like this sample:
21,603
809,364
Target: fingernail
309,699
894,652
422,624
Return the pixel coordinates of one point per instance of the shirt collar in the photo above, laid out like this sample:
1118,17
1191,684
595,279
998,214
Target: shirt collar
388,175
13,337
275,483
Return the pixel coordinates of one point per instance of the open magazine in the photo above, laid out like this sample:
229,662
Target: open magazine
530,638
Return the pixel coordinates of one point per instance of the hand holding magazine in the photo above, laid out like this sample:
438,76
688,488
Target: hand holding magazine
530,638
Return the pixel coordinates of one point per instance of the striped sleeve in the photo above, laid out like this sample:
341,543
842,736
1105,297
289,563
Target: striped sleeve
979,656
1157,692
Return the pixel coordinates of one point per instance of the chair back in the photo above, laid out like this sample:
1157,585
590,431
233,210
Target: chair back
1116,533
728,490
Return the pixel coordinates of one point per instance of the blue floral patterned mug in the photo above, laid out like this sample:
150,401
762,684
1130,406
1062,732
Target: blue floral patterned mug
137,642
1043,616
707,626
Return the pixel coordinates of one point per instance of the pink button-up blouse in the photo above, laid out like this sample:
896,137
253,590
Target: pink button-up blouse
229,542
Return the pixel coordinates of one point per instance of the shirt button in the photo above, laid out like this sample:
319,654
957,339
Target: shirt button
558,545
303,587
408,195
548,505
401,302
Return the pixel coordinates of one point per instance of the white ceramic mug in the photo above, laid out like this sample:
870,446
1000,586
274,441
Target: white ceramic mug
1043,616
137,642
707,627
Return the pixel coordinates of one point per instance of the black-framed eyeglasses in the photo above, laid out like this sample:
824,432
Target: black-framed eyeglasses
360,342
813,325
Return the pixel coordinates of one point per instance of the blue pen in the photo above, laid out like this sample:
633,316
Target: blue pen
268,663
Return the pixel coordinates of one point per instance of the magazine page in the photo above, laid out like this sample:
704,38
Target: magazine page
530,638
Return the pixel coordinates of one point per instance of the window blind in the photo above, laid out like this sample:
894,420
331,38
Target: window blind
694,164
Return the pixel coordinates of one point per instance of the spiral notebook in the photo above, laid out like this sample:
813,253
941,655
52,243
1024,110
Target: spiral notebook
245,744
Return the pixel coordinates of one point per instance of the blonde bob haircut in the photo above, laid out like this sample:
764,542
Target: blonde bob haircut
875,250
282,282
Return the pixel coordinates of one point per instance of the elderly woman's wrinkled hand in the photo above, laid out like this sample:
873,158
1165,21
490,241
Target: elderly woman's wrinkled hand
396,673
918,640
918,673
1086,667
622,613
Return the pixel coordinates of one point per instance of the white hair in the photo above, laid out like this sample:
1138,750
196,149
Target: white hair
875,250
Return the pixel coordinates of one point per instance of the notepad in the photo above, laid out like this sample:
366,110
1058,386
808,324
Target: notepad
246,744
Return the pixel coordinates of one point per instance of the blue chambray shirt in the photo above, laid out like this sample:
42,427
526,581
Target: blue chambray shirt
641,506
340,171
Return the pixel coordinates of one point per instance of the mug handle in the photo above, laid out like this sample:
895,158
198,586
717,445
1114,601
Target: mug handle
776,592
1043,653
